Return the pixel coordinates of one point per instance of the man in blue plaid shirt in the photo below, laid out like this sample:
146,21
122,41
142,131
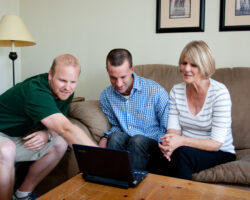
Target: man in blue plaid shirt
137,109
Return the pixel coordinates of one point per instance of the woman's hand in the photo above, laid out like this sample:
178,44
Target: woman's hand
170,142
165,151
36,140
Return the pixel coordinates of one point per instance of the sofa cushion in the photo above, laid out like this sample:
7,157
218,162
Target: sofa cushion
90,114
232,172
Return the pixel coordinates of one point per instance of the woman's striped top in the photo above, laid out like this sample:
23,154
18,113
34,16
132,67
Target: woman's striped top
212,122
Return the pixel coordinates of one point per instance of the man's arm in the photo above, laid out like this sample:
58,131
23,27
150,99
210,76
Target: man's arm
70,132
109,112
162,110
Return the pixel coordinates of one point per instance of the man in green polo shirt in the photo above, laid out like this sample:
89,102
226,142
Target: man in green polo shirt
33,126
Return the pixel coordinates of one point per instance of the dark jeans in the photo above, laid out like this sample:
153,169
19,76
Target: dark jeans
186,160
139,147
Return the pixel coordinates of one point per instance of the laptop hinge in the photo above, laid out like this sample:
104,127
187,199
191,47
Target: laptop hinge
107,181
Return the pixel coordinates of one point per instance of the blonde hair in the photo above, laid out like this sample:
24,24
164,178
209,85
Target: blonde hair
199,53
65,59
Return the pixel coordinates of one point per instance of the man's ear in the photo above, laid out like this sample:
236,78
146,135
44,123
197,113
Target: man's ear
133,68
50,75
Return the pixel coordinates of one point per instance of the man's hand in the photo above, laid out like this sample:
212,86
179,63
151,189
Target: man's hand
36,140
103,142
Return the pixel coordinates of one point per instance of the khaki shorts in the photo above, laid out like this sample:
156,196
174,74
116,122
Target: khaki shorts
22,154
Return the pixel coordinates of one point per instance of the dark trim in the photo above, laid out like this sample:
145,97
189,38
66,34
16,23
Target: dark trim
199,28
223,27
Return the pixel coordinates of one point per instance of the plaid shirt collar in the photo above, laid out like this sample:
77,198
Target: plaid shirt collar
136,85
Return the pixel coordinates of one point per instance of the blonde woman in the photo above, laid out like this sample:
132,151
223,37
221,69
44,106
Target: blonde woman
199,132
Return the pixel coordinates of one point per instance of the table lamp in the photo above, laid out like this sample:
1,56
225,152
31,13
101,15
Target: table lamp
14,33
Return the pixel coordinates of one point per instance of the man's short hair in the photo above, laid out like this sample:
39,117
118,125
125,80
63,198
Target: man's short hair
65,59
116,57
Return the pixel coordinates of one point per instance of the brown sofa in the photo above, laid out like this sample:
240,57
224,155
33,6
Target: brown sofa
88,116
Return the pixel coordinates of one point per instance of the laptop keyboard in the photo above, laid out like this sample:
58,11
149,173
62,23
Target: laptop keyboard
139,175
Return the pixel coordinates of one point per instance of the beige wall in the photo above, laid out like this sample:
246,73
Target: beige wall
8,7
89,29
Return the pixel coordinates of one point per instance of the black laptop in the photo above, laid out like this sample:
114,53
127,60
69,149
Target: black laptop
107,166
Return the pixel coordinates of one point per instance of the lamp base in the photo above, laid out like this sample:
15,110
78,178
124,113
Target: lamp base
13,57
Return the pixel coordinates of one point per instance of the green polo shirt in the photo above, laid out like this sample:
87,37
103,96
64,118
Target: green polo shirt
23,106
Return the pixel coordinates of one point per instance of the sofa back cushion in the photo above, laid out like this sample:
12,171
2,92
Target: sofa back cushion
237,80
166,75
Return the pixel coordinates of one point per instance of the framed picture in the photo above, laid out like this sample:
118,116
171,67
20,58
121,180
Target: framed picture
180,16
234,15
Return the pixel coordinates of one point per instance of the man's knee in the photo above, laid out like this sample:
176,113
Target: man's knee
60,145
142,142
7,152
139,140
117,138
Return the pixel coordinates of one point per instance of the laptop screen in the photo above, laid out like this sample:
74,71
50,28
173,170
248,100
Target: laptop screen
104,162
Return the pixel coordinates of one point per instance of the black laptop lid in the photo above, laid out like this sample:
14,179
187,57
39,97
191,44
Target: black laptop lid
103,162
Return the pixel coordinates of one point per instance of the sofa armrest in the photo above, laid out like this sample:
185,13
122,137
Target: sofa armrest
91,116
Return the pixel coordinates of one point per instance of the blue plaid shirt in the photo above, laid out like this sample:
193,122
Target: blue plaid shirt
145,112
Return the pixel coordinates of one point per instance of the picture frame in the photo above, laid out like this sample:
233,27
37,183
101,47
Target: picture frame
234,16
180,16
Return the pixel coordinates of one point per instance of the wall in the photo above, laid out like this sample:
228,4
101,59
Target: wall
8,7
89,29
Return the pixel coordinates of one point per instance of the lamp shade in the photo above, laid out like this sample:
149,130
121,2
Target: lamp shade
12,29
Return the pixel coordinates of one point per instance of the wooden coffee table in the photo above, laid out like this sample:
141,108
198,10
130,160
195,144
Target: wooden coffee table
153,187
